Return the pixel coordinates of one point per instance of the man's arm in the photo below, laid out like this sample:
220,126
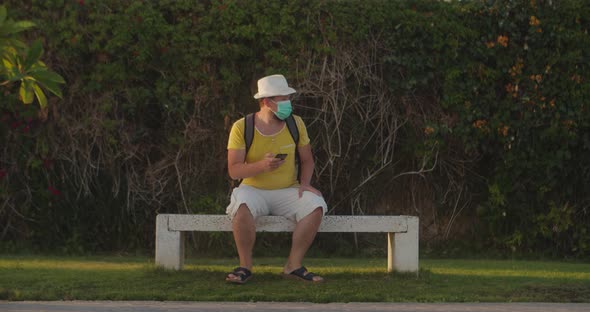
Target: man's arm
238,169
306,164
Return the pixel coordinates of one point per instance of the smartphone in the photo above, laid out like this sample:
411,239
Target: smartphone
281,156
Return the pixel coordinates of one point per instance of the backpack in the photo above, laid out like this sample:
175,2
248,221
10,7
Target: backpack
293,130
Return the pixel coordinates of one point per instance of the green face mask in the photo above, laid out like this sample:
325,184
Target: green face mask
284,109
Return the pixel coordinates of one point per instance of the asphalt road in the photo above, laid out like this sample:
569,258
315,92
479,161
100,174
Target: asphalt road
157,306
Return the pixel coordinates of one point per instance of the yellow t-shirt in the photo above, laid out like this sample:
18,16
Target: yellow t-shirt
278,143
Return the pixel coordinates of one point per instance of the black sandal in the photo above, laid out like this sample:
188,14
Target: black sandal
243,274
302,275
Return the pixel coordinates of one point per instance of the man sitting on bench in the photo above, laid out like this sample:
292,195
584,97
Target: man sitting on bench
270,151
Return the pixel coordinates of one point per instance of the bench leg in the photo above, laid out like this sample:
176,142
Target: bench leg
169,245
402,249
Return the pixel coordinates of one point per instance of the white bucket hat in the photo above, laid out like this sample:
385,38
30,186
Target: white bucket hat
273,85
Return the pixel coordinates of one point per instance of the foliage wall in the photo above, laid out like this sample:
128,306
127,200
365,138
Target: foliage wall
472,115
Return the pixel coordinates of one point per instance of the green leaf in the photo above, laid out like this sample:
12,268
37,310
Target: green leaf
15,76
10,28
43,75
6,62
26,92
33,55
40,95
2,14
13,44
52,87
21,26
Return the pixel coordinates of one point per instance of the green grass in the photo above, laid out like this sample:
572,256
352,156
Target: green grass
347,280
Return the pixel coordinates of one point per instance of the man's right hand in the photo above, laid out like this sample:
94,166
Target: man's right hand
270,163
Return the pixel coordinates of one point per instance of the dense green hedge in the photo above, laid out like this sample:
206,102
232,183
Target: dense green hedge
472,115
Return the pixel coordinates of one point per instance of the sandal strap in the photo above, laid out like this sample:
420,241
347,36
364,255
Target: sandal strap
242,272
303,273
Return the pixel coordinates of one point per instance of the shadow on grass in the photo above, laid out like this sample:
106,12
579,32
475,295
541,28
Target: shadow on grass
273,273
350,286
8,294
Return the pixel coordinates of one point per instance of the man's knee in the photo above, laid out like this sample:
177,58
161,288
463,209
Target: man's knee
243,212
318,211
315,215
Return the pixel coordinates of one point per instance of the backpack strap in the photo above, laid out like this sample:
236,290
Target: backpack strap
248,136
294,131
292,126
248,131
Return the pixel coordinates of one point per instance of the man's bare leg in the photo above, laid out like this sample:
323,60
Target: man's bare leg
244,231
303,236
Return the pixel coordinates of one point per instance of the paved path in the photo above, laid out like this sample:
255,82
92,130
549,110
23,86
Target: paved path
157,306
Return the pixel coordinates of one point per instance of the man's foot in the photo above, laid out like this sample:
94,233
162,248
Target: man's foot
240,275
303,275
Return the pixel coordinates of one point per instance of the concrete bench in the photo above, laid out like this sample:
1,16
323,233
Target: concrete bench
402,234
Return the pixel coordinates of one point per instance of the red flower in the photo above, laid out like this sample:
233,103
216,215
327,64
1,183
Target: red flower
3,173
53,191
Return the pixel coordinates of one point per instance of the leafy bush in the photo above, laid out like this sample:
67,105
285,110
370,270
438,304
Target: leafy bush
20,63
469,114
521,107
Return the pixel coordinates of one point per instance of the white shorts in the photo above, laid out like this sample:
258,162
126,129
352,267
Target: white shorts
282,202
